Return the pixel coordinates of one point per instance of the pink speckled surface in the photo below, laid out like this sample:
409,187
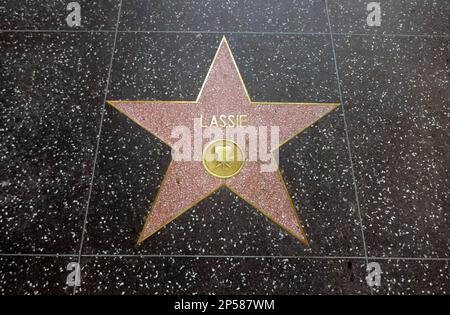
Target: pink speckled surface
187,182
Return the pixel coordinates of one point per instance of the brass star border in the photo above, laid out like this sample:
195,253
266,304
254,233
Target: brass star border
119,105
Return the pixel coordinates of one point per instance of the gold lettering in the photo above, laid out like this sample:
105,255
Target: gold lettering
232,120
213,121
223,121
243,120
201,122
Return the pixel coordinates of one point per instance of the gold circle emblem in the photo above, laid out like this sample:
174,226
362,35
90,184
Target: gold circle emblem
223,158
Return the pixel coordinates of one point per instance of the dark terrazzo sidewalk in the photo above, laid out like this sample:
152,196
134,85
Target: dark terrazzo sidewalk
370,181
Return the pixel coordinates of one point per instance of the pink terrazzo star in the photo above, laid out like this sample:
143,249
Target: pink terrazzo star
187,182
